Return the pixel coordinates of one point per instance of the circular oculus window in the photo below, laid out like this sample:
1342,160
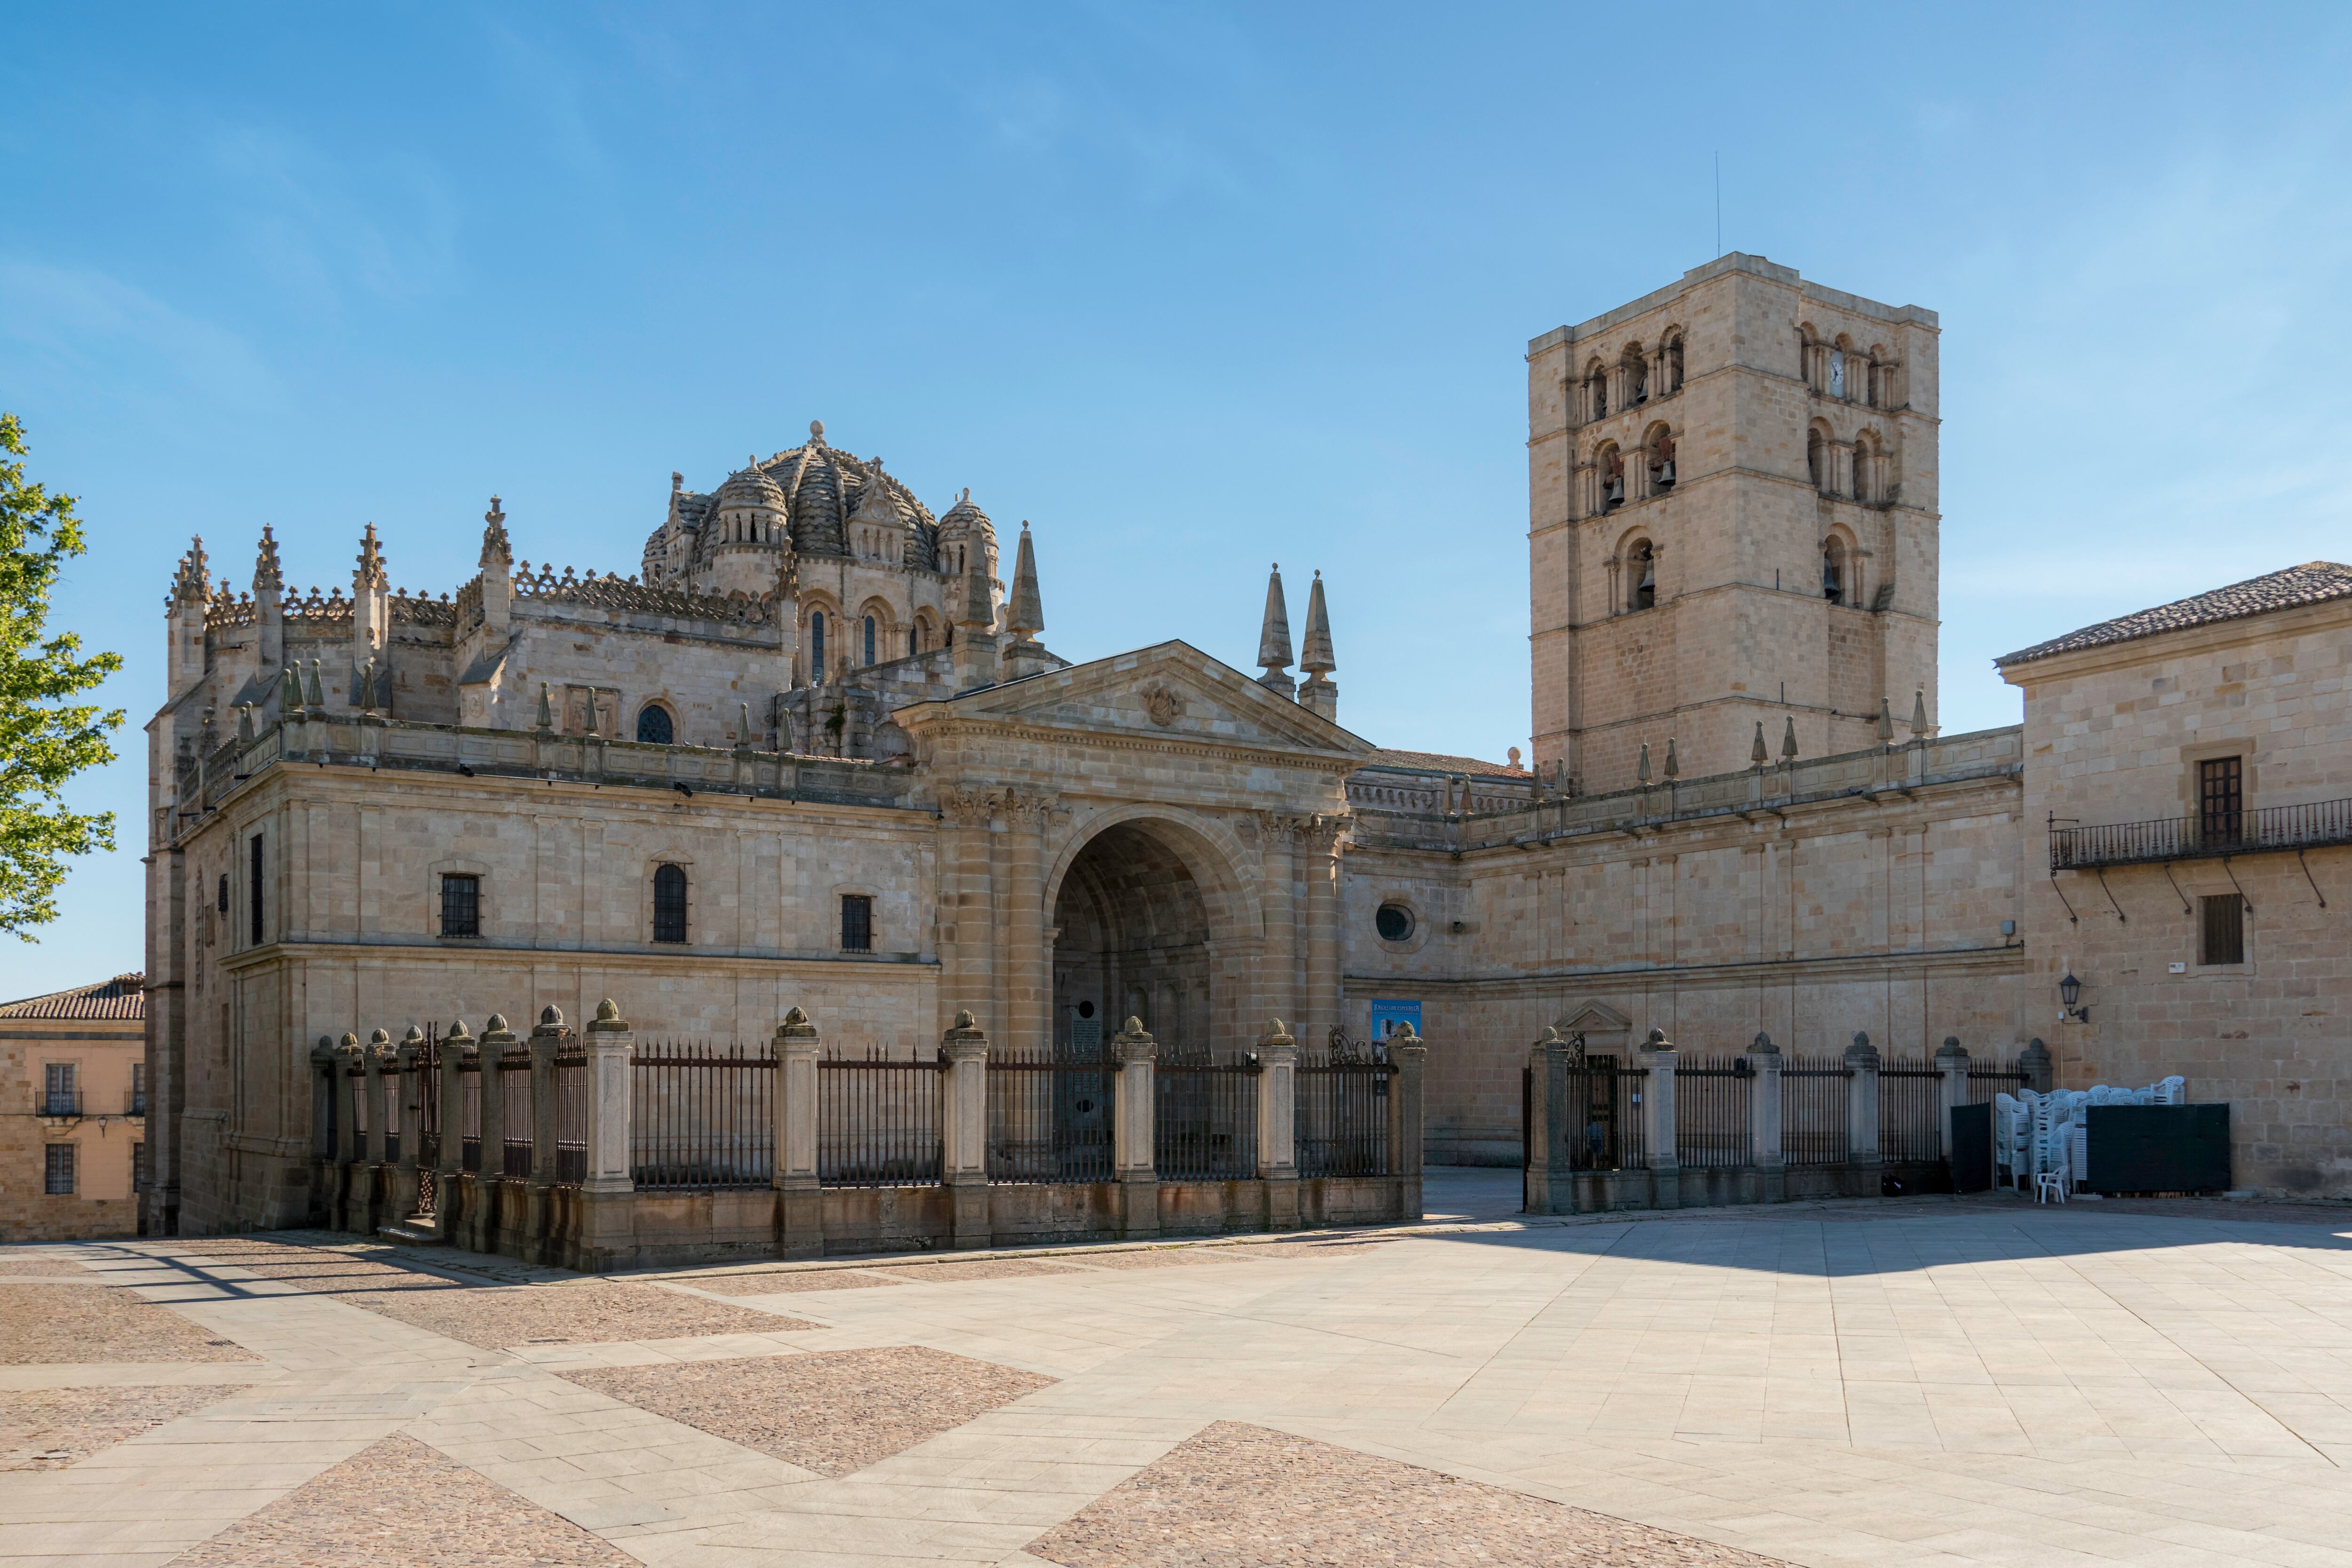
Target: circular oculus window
1393,922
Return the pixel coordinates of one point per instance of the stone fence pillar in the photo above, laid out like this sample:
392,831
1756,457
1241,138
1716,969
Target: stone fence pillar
373,1057
351,1100
449,1193
1951,1089
1411,1058
408,1090
2036,1061
608,1233
326,1132
1277,1123
1657,1054
539,1209
1861,1113
485,1216
1764,1121
1549,1187
1133,1051
964,1129
799,1200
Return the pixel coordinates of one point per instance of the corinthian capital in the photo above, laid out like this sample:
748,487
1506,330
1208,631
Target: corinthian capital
1027,810
968,808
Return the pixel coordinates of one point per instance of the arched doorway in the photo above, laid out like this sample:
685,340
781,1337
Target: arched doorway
1134,939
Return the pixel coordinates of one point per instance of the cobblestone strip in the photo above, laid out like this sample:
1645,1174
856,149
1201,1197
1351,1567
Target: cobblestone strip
400,1504
48,1429
1238,1495
99,1323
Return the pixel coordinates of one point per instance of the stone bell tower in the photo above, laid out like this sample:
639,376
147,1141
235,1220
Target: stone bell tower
1732,524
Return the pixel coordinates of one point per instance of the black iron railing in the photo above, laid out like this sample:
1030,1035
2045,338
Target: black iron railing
514,1085
1049,1118
1992,1078
1711,1101
2205,835
1909,1127
1605,1116
1340,1120
1814,1111
701,1116
571,1112
877,1120
1204,1118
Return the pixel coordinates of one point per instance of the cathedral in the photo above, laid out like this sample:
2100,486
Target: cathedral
813,754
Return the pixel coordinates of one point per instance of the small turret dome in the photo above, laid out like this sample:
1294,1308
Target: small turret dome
751,487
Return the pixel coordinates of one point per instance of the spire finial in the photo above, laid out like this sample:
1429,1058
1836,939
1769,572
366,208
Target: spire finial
1274,635
1919,714
1757,753
371,573
1886,726
1314,654
266,577
1641,773
1027,611
1789,741
496,551
816,432
1673,767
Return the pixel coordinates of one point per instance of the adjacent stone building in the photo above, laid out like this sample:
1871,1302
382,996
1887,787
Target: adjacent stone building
814,754
73,1112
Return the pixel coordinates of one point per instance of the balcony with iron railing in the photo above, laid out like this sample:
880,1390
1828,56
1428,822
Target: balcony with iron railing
2204,836
60,1102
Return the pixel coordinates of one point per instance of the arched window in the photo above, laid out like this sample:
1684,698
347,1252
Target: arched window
869,639
1833,574
1674,366
1865,475
1596,390
669,904
914,641
816,648
1837,372
1816,460
654,728
1613,478
1661,460
1642,578
1637,376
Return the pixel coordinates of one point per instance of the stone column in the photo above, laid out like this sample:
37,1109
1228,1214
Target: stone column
539,1222
1324,1008
800,1201
2036,1061
1411,1058
965,896
327,1119
1657,1054
1279,975
351,1147
1862,1115
408,1089
963,1126
488,1219
449,1162
1132,1052
1030,994
1278,1124
607,1196
1764,1121
1952,1062
1549,1184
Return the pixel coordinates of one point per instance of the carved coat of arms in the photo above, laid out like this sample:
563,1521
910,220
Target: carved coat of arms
1161,704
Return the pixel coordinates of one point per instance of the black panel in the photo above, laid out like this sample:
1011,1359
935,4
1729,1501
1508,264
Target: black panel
2159,1148
1971,1148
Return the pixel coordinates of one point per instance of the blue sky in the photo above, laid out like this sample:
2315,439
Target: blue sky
1193,288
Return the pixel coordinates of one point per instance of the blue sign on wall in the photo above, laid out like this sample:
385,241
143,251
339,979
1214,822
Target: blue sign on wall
1387,1015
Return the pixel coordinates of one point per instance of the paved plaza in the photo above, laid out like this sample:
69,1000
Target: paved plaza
1921,1382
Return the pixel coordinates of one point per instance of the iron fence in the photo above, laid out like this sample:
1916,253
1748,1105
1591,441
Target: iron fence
1813,1129
1204,1117
2208,834
877,1120
1908,1095
427,1067
1049,1118
1340,1120
515,1110
469,1112
571,1112
355,1080
1604,1114
1984,1082
1712,1096
701,1116
324,1136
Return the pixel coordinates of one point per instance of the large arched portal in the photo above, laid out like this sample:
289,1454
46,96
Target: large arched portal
1136,937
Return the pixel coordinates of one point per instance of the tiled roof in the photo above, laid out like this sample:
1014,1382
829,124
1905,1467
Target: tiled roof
123,997
2297,585
1439,762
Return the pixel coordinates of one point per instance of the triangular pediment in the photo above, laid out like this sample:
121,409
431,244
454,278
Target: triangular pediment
1171,690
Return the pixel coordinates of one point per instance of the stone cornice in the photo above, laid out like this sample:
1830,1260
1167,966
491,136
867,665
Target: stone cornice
1336,764
436,952
1944,961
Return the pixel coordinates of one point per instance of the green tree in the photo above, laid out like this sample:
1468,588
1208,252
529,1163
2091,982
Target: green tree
44,741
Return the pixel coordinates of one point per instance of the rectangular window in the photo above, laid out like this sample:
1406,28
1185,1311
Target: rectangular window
857,923
138,1107
2221,800
2221,929
58,1173
461,906
253,892
669,904
59,1096
138,1168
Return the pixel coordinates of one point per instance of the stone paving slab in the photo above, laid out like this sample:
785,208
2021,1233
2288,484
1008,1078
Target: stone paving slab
831,1411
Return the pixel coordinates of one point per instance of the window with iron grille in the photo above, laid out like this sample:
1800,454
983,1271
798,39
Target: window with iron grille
138,1088
461,906
669,904
654,728
2221,929
253,891
224,892
58,1097
2221,797
857,923
138,1168
58,1180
